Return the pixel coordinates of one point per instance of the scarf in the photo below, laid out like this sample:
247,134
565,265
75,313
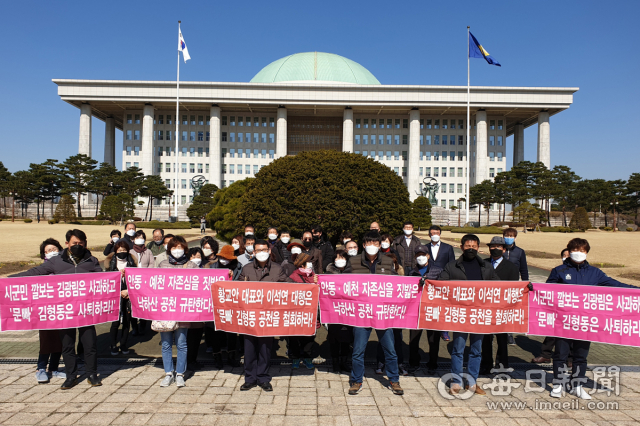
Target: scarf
139,249
180,261
121,264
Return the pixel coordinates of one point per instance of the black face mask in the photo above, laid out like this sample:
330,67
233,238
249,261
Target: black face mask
78,251
122,255
496,252
306,243
316,237
469,254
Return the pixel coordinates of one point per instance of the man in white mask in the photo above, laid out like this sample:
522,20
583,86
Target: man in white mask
405,246
373,262
440,253
129,233
249,251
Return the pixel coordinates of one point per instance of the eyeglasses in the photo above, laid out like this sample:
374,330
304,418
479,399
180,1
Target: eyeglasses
262,250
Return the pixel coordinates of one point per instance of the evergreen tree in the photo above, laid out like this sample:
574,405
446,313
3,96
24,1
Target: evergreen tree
421,213
76,172
65,211
5,188
117,208
580,220
202,203
154,189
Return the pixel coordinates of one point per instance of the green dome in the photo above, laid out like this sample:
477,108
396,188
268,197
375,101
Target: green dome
315,67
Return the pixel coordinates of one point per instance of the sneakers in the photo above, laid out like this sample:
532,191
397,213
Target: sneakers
403,370
580,392
308,363
167,381
510,339
355,388
124,351
556,392
380,369
180,381
396,389
42,376
445,336
295,363
58,375
114,351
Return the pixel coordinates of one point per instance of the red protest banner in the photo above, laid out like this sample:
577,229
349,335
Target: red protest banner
480,307
265,309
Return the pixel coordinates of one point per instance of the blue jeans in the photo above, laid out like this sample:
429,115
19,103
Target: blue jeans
457,356
167,338
360,339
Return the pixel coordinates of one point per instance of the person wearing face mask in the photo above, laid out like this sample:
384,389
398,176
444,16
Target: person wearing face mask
428,269
517,256
226,260
468,267
339,336
507,271
144,259
238,245
375,226
197,329
156,246
281,245
300,346
249,231
75,259
129,233
276,249
209,247
114,237
295,247
50,346
440,253
546,350
321,242
177,257
344,238
249,251
405,246
163,256
257,350
311,250
121,260
352,248
576,270
373,262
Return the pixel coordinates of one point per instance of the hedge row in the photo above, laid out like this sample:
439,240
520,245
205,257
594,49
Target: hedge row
163,225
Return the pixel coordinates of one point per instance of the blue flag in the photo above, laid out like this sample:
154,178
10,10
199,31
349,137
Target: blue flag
477,51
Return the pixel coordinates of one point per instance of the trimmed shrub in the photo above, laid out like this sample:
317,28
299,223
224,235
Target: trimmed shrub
580,220
28,220
65,211
481,230
629,229
163,225
421,213
53,221
607,228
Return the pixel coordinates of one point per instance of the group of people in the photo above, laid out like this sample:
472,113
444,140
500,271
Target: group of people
279,258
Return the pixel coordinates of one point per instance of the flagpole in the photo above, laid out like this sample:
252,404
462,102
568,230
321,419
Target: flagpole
177,184
468,202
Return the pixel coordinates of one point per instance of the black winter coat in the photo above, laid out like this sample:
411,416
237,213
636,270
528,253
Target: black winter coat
63,264
454,271
326,249
506,270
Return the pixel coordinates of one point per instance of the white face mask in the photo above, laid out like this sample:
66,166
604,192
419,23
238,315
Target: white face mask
51,254
273,236
371,250
352,252
224,262
115,239
408,231
346,241
285,240
310,265
177,253
235,246
207,252
138,241
131,232
340,263
578,256
296,250
197,261
246,234
385,245
435,238
422,260
165,247
262,256
249,249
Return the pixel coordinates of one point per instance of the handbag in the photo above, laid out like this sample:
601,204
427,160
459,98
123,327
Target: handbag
164,326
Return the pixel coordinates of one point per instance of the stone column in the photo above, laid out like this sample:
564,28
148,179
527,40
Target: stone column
413,184
215,152
347,130
84,145
544,139
482,172
146,150
281,132
518,144
110,141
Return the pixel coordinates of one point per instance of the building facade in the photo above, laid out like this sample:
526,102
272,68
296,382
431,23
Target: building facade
307,102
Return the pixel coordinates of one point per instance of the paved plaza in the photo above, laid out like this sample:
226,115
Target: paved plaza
131,395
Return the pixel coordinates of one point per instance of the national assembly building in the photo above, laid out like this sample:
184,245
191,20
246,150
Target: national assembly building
307,102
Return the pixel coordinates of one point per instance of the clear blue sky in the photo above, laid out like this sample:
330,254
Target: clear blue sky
588,44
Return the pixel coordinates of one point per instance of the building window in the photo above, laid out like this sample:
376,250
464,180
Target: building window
444,139
444,155
167,183
136,150
366,123
396,139
263,138
256,121
136,135
127,165
499,124
436,124
357,123
396,170
404,172
427,171
499,156
200,136
357,139
192,152
404,155
404,139
168,135
184,168
199,152
492,140
436,155
224,120
373,123
160,149
444,123
388,139
272,138
128,150
492,172
451,188
443,189
137,119
499,140
184,120
247,137
272,122
452,171
206,152
405,123
422,123
459,155
436,139
428,123
435,172
255,138
232,120
419,171
271,154
223,138
129,120
460,140
452,155
263,153
396,155
459,172
232,169
492,124
159,167
365,139
239,137
199,167
184,135
461,124
240,153
167,167
428,156
444,172
421,139
192,136
459,188
380,139
492,156
193,120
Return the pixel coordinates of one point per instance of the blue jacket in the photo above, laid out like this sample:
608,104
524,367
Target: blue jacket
432,273
445,255
583,274
518,257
